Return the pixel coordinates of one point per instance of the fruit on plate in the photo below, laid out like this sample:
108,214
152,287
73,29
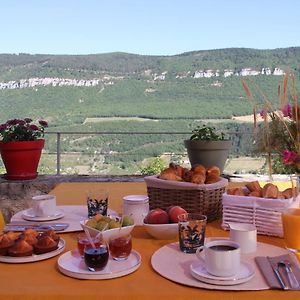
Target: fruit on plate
100,222
174,212
157,216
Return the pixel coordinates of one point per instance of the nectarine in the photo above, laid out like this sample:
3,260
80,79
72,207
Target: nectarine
157,216
174,212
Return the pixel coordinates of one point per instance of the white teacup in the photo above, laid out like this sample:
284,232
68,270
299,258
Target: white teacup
221,257
44,205
245,235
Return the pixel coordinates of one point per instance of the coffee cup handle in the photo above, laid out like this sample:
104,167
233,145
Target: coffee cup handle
198,252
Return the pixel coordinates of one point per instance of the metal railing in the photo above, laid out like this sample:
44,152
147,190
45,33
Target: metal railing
59,135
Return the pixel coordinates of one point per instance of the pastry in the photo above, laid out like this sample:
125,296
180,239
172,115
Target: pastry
198,178
51,233
255,194
199,169
169,174
213,171
45,244
5,243
270,191
253,186
20,248
238,191
289,193
212,178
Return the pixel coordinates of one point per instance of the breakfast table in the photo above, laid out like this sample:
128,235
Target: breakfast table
43,280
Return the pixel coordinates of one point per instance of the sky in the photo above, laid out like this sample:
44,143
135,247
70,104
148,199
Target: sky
146,27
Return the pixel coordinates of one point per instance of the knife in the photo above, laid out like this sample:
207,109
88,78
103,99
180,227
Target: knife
277,274
38,226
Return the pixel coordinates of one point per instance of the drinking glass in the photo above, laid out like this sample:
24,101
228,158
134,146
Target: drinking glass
291,230
191,231
120,247
96,256
83,241
97,202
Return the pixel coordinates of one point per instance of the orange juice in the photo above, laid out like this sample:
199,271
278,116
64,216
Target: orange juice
291,228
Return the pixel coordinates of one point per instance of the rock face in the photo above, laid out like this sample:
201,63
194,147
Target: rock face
14,195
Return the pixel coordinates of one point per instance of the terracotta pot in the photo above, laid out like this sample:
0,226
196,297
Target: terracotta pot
208,153
21,159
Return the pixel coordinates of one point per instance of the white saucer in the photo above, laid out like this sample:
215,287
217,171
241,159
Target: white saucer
198,271
29,216
71,264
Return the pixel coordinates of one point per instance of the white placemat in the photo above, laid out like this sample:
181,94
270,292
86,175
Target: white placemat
174,265
73,214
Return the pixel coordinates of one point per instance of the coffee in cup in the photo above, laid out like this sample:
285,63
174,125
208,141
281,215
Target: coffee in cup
221,257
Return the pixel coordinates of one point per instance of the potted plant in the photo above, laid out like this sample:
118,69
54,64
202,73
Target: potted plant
207,147
21,144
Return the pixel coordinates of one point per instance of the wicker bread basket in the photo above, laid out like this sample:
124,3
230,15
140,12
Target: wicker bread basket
194,198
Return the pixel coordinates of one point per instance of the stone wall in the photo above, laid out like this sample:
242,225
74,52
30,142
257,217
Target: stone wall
15,194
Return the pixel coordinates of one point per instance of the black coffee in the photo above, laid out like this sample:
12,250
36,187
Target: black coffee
223,248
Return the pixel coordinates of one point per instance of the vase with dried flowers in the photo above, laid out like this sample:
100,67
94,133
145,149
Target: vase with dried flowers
279,134
21,144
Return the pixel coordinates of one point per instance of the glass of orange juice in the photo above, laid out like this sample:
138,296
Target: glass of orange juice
291,229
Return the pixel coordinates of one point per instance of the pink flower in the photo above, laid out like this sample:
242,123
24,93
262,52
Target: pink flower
33,127
43,123
263,113
287,110
289,157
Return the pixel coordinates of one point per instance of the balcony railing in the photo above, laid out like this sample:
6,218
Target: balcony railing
60,144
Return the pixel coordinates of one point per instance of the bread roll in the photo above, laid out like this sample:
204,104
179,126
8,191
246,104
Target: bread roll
238,191
270,191
253,186
289,193
255,194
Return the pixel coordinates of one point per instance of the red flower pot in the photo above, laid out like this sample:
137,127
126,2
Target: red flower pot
21,159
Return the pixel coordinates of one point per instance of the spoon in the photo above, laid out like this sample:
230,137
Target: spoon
291,276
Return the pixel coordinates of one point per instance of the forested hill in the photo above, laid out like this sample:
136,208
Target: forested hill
18,66
72,89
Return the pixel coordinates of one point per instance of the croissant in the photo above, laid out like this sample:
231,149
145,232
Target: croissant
199,169
187,175
169,174
213,171
212,178
198,178
45,244
177,169
255,194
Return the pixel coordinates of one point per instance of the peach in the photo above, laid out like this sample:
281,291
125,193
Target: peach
157,216
174,212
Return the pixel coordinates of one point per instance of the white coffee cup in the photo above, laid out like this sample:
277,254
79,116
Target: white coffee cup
44,205
221,257
245,235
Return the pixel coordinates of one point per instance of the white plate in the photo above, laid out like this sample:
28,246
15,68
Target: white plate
245,273
34,257
71,264
29,216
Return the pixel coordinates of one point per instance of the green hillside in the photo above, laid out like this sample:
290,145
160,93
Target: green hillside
130,86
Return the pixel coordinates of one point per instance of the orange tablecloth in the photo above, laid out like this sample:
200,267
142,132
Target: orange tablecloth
42,280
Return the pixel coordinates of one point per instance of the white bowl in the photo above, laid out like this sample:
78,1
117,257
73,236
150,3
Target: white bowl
162,231
107,234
